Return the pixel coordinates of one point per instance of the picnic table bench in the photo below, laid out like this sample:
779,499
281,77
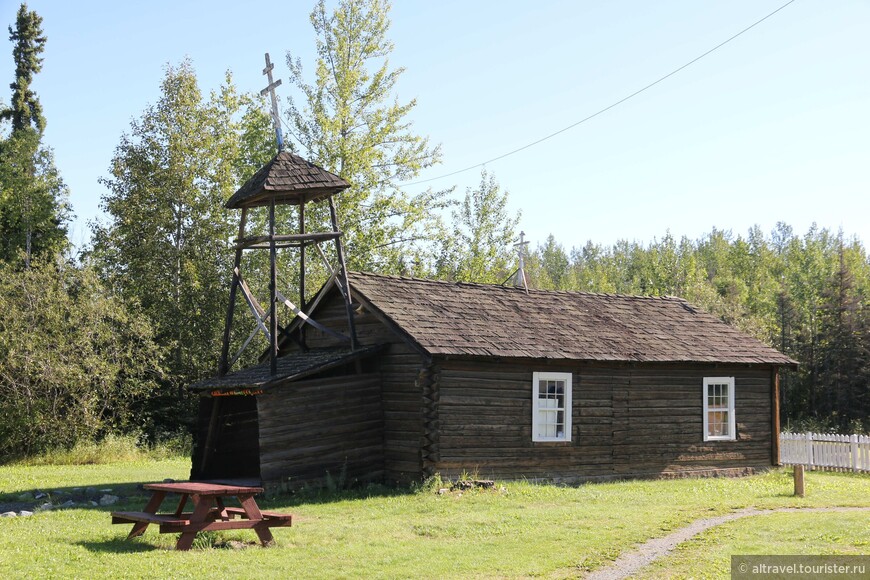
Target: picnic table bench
209,512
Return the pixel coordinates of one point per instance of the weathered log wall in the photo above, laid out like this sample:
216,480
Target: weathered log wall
330,425
400,391
453,414
628,420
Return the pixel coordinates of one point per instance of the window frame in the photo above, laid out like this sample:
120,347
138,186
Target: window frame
732,423
552,376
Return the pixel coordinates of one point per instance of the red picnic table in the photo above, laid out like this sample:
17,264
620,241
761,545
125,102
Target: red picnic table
209,512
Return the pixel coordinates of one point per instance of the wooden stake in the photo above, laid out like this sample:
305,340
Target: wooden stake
799,480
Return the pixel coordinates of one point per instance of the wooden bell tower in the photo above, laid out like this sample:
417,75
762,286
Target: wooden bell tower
286,180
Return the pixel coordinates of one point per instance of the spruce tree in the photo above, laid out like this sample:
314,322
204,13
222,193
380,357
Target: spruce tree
33,197
26,112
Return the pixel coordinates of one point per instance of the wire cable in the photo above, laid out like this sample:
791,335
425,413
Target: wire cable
605,109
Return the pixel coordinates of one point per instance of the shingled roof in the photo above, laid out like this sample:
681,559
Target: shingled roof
291,367
287,178
446,318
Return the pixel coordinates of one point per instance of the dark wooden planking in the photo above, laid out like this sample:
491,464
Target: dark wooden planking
626,419
400,395
332,425
234,448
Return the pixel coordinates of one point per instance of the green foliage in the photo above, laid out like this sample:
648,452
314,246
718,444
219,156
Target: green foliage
166,246
480,247
806,296
843,346
432,484
33,197
549,266
339,483
33,200
74,362
112,449
347,124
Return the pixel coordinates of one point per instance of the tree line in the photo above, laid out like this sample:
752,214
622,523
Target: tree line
106,340
804,294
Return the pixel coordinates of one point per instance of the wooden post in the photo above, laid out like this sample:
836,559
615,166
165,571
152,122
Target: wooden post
774,412
344,281
273,292
809,448
799,480
302,272
223,365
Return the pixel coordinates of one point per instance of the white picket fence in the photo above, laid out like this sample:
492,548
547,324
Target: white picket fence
819,450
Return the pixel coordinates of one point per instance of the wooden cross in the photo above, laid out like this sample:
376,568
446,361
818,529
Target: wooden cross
276,119
521,271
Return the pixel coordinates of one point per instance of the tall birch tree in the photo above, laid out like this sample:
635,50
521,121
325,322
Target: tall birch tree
167,243
349,121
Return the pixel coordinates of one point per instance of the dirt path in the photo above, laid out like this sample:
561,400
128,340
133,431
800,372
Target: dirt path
631,562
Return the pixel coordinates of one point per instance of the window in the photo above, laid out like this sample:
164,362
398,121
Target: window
719,409
551,406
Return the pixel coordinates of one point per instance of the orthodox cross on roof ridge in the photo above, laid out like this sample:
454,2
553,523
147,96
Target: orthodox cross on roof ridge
276,119
521,271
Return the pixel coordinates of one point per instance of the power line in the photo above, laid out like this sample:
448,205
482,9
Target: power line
605,109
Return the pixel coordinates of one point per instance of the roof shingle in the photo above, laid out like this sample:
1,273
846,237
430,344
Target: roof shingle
287,178
447,318
291,367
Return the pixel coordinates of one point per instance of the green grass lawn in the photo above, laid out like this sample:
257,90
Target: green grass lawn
519,530
708,555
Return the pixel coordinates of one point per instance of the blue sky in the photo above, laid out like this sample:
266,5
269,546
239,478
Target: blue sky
774,126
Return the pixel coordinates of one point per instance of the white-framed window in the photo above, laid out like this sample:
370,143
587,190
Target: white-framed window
551,406
719,422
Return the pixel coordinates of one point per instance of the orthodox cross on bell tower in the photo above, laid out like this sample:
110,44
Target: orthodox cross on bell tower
276,119
286,180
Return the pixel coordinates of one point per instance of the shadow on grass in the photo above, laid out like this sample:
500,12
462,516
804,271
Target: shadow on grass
132,495
119,546
82,497
308,496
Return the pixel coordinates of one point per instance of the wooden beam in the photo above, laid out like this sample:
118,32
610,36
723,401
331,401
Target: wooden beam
259,314
281,245
249,242
325,261
302,273
224,365
298,312
312,306
342,279
273,289
257,328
